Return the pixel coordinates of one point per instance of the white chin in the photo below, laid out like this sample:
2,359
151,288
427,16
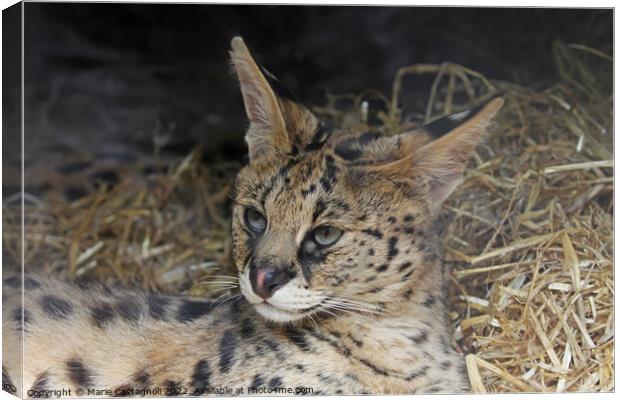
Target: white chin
277,314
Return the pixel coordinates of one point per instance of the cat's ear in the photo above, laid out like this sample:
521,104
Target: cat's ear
267,131
279,124
441,162
438,152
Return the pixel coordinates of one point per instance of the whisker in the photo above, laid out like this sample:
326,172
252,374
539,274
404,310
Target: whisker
223,276
218,283
226,299
352,307
325,310
354,302
219,280
220,289
341,309
313,321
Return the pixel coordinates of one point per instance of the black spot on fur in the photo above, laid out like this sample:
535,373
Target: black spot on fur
355,341
142,378
273,346
283,171
374,368
275,382
429,301
408,218
392,250
341,204
417,373
171,388
129,308
40,385
247,329
373,232
336,334
409,231
157,306
257,381
297,337
122,390
30,283
371,252
319,208
311,189
201,376
101,314
420,338
391,220
228,344
407,294
191,310
382,268
20,314
329,176
13,282
56,307
78,373
404,266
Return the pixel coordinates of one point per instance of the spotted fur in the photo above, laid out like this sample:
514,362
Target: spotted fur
364,313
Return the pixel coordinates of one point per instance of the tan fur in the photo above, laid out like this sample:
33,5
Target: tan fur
366,314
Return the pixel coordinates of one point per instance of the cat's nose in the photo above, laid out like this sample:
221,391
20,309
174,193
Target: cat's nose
266,280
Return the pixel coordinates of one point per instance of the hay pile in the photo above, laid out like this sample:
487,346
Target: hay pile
528,235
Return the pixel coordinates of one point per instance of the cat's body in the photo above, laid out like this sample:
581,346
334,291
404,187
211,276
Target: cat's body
338,263
121,342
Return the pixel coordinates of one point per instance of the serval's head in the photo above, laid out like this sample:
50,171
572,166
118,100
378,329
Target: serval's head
328,221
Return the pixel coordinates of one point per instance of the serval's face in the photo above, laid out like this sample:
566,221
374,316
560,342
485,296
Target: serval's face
330,221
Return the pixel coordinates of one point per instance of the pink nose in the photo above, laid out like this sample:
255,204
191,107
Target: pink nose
266,280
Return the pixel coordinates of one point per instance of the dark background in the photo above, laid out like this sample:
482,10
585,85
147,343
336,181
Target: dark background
121,76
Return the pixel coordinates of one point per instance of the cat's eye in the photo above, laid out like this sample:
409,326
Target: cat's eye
255,220
327,235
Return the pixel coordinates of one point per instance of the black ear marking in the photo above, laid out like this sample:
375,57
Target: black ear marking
443,125
347,150
319,138
351,149
278,88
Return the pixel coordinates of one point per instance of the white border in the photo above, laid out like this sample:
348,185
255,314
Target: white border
457,3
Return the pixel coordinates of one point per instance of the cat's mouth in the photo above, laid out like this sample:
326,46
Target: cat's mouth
275,309
277,314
